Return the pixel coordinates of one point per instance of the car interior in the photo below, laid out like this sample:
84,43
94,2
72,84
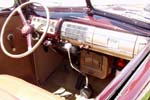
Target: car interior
52,53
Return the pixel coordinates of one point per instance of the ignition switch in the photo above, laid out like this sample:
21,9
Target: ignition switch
10,38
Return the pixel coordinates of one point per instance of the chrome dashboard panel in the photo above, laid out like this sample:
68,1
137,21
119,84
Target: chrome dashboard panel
114,43
39,24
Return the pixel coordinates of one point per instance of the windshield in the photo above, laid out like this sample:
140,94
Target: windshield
6,4
134,9
62,3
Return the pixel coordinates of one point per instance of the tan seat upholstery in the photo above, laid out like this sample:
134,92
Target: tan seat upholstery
4,95
24,90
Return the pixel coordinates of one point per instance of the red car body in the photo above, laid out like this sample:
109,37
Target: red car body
133,81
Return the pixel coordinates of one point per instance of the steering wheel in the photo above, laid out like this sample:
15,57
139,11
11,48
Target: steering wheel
26,30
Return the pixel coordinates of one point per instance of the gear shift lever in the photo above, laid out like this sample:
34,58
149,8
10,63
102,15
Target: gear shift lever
86,91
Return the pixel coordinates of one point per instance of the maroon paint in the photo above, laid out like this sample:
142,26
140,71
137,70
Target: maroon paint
136,85
117,81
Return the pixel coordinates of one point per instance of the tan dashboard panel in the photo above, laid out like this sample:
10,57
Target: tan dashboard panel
114,43
119,44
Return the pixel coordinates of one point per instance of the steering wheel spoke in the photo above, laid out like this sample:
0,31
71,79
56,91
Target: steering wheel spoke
24,21
29,41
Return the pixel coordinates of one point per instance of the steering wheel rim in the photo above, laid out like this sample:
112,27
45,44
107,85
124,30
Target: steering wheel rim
29,51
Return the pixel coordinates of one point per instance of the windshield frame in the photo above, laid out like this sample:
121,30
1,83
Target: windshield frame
93,11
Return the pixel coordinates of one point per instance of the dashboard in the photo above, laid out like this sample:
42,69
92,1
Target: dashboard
114,43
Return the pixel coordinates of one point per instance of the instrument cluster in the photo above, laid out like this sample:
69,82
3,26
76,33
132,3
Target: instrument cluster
39,24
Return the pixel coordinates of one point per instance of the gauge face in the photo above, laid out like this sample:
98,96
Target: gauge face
39,24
